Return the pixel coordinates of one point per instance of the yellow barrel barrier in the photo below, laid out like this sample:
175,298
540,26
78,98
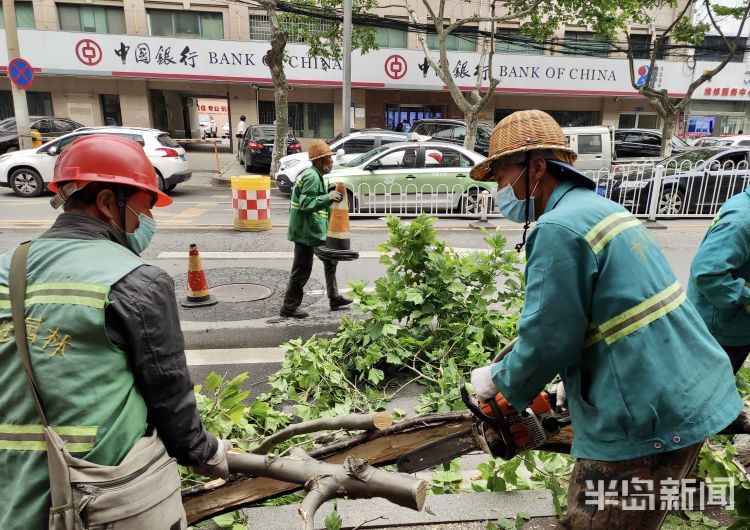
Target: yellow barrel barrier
251,203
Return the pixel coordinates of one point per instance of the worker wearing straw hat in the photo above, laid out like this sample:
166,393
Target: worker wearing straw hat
308,228
646,383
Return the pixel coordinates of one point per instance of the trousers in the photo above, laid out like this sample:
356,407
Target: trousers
737,355
301,269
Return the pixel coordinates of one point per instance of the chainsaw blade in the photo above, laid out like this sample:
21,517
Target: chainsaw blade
440,451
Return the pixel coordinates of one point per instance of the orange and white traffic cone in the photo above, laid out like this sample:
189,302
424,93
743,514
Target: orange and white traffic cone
198,292
338,243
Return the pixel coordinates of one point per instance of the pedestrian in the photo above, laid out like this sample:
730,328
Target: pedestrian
719,284
400,126
406,127
308,228
646,383
240,133
105,342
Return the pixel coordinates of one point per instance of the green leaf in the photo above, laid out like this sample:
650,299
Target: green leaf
213,381
333,521
224,521
375,376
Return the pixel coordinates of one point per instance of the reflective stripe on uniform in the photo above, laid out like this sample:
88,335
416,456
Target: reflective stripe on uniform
636,317
88,294
606,229
4,297
31,437
294,205
321,213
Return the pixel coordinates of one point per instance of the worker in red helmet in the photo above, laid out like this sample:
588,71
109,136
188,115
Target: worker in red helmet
104,339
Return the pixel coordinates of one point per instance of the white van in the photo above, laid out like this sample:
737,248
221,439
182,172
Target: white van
594,147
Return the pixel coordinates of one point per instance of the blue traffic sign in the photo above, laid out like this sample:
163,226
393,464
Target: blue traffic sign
20,72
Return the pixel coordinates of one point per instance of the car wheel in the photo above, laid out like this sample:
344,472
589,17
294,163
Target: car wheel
471,203
160,179
671,202
26,183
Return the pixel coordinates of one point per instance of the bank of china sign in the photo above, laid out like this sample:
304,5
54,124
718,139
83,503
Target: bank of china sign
232,61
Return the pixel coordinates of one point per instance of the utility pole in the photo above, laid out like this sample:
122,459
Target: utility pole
20,105
346,92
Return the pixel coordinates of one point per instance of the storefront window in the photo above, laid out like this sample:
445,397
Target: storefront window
713,48
93,19
513,42
701,125
111,109
391,38
638,120
186,24
24,16
566,118
453,43
584,43
307,120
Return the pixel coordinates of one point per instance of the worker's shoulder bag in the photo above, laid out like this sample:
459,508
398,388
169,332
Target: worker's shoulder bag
142,492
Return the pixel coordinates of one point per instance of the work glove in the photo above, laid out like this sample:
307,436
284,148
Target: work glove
561,402
481,380
335,196
216,466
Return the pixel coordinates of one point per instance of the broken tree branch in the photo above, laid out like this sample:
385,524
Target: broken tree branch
355,478
350,422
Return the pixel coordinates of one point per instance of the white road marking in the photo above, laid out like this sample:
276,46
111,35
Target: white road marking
365,254
234,356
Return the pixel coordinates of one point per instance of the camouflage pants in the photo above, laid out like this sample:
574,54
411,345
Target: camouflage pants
590,516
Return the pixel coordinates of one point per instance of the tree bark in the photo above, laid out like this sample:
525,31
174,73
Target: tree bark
274,58
472,122
667,130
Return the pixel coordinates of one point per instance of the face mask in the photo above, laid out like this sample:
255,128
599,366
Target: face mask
142,236
513,208
325,169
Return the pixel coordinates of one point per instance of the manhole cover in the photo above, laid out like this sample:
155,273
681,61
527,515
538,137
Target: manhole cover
241,292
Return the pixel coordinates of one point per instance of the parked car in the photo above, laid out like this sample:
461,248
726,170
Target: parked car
47,126
726,141
28,172
706,141
208,126
346,148
256,146
635,145
403,176
453,131
593,145
694,182
225,131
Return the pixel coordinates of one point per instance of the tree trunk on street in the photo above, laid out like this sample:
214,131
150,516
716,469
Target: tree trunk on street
667,131
472,122
274,58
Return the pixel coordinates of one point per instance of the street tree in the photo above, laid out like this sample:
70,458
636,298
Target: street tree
323,35
685,33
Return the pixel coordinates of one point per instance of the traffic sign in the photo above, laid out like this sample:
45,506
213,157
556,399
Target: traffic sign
20,72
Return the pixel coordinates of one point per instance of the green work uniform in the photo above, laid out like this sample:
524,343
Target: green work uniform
309,209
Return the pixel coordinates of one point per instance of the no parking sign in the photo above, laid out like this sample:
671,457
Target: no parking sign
20,72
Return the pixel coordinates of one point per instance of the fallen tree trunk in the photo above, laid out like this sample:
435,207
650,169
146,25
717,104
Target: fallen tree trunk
378,447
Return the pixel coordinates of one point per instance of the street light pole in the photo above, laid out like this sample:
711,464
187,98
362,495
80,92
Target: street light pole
346,92
20,105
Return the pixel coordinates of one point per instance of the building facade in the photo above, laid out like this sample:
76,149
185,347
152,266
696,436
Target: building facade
144,63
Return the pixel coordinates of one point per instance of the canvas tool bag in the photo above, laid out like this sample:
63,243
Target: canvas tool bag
142,492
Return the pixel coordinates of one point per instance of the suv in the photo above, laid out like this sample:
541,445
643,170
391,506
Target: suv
28,172
633,145
453,131
256,146
47,126
346,148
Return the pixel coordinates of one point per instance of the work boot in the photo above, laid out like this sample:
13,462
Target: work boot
340,302
296,313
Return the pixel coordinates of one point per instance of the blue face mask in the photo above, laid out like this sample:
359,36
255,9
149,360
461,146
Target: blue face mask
513,208
142,236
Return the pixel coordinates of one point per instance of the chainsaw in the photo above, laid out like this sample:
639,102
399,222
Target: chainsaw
499,429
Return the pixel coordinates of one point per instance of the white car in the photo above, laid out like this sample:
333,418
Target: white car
346,149
29,171
225,131
207,125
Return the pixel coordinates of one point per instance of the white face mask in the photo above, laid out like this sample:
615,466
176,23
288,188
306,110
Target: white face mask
513,208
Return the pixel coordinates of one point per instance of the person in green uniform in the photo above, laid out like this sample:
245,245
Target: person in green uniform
103,333
308,228
720,278
646,383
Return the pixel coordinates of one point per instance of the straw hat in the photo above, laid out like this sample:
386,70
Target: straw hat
318,149
523,131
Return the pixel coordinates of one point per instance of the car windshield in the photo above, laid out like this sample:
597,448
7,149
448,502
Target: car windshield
484,132
692,156
8,124
679,142
167,141
268,134
361,159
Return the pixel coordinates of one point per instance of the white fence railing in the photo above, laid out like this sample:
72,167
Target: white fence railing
649,190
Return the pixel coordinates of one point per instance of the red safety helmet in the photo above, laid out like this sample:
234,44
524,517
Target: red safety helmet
105,158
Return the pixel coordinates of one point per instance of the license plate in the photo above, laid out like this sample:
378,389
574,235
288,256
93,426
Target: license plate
183,158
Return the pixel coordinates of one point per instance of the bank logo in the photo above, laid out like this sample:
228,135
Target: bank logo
88,52
642,75
395,67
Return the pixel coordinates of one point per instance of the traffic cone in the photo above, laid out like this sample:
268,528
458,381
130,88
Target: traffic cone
338,242
198,293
